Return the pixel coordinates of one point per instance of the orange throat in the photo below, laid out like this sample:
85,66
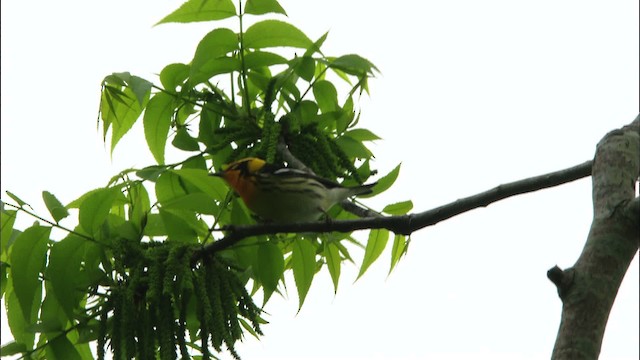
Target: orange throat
244,186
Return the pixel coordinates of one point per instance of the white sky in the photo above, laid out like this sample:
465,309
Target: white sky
472,94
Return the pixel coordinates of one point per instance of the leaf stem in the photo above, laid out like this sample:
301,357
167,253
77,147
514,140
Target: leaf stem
243,71
56,225
193,102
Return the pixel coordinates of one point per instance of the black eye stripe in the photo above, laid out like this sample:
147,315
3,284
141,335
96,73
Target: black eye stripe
243,167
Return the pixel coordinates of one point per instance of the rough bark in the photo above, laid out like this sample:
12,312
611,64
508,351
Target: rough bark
588,288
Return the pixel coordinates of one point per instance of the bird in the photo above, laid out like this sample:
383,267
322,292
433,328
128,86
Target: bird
285,195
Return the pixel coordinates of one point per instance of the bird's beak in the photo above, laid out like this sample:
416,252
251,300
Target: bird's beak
218,174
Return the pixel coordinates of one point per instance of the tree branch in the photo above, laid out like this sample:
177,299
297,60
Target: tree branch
405,224
588,288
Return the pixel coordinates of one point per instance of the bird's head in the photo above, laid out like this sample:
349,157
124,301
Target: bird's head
241,173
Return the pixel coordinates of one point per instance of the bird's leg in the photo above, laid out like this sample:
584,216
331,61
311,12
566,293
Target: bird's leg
325,216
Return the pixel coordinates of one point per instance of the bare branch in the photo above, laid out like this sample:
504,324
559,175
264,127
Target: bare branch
405,224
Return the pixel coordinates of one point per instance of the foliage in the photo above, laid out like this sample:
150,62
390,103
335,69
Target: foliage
129,275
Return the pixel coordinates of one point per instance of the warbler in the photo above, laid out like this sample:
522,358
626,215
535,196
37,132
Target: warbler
285,195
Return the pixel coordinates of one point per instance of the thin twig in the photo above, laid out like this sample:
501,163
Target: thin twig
20,208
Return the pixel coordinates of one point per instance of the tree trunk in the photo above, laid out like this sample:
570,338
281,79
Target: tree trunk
588,288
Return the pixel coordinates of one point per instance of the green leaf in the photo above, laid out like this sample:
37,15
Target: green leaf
258,82
196,162
201,10
17,199
353,148
213,67
60,348
270,266
119,109
169,186
55,207
246,254
315,48
326,96
174,75
303,263
332,255
273,33
307,112
75,204
400,246
375,245
51,318
12,239
43,326
157,120
8,218
364,171
344,251
248,328
139,205
184,141
95,208
180,225
150,173
258,59
183,114
399,208
212,48
195,202
291,91
88,332
116,79
28,255
140,87
84,349
16,319
354,64
212,186
362,135
155,226
259,7
64,272
216,43
240,215
346,119
12,348
305,68
117,226
209,123
4,277
385,182
174,193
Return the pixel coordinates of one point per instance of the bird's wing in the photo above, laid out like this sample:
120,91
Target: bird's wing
289,172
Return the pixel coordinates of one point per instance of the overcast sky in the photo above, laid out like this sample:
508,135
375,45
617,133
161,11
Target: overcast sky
472,94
